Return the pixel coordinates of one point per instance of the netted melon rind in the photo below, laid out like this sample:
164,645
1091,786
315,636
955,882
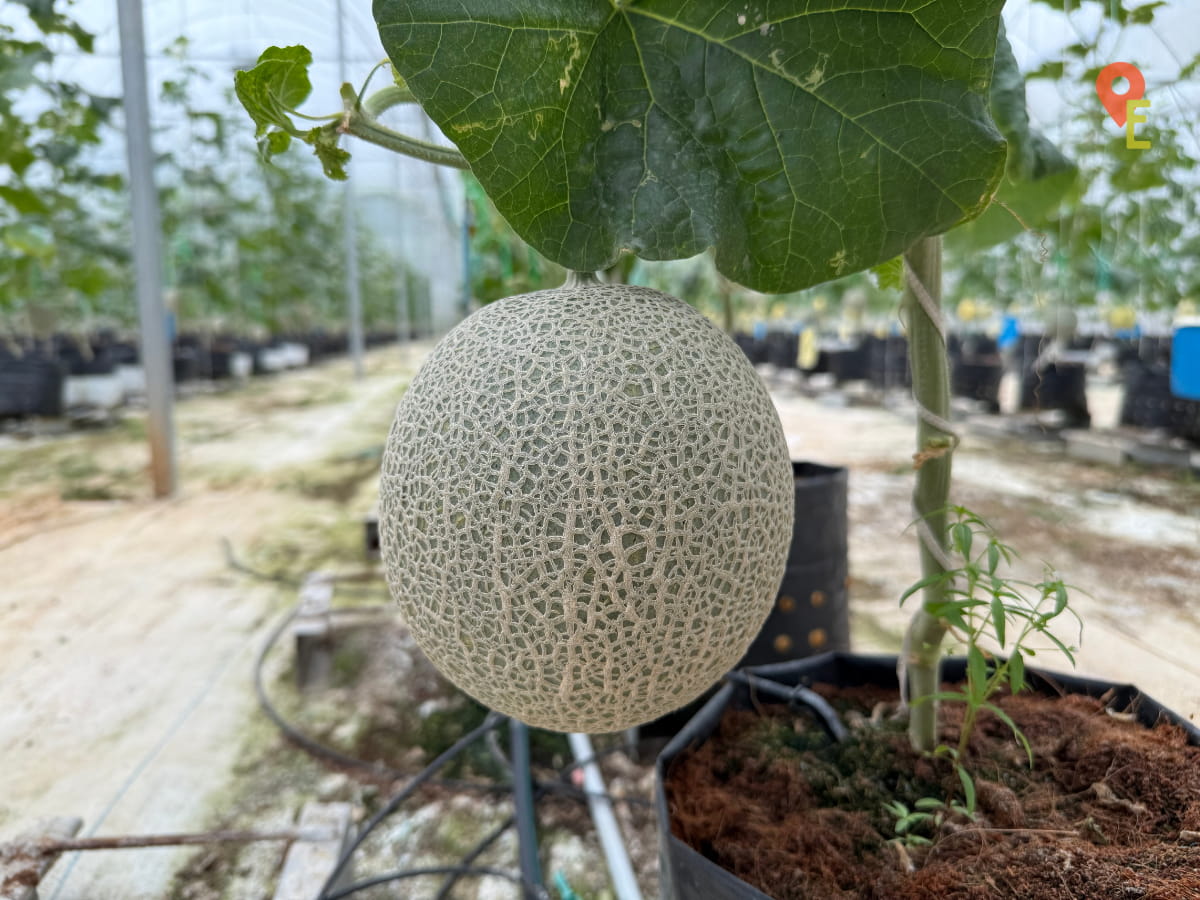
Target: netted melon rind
585,506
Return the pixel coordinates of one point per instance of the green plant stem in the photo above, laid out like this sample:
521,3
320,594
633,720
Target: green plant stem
385,98
726,295
576,279
360,120
931,493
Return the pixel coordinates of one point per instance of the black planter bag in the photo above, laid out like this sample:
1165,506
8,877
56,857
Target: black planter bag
1061,386
685,874
31,386
811,612
887,362
978,378
1147,401
849,364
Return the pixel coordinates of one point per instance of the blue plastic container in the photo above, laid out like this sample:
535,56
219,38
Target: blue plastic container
1185,360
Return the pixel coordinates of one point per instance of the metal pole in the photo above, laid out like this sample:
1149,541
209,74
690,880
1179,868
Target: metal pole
620,869
147,256
526,813
348,217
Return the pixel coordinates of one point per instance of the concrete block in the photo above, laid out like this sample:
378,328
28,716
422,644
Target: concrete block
1098,447
22,866
309,862
312,631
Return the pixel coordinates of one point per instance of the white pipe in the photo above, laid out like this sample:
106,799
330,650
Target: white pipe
619,867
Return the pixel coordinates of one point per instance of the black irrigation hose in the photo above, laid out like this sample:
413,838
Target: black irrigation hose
293,734
798,695
340,581
488,839
493,720
381,770
531,890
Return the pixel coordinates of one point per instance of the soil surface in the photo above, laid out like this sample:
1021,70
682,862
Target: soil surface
1109,808
127,639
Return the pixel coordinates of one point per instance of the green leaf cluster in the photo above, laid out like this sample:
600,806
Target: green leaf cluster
272,93
1125,228
1038,177
247,247
50,190
918,826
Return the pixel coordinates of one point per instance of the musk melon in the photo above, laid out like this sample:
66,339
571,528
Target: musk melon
585,506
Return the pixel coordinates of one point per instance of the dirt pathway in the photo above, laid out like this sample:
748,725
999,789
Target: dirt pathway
126,641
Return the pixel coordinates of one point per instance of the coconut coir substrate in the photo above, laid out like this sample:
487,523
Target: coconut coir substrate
1109,809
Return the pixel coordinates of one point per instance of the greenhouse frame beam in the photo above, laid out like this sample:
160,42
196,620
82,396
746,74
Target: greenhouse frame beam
350,221
147,250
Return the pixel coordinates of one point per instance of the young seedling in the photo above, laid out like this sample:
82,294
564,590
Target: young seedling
999,619
927,815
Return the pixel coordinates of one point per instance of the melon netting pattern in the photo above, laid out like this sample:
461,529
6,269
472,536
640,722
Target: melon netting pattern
586,506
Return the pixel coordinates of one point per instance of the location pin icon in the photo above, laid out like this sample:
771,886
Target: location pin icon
1114,102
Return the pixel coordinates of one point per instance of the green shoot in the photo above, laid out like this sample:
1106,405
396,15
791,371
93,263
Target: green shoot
918,826
1000,619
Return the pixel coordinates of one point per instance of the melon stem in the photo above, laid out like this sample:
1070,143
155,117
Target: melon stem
581,279
931,491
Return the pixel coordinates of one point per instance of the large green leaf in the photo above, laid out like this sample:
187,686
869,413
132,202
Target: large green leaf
804,140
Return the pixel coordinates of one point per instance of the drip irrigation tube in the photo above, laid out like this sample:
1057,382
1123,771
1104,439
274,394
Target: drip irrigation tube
797,696
493,720
488,839
293,734
526,791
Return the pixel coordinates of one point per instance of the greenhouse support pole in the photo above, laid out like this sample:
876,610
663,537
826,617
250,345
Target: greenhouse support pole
147,256
349,219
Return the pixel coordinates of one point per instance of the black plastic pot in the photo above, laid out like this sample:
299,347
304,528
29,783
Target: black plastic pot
125,353
685,874
81,361
812,611
189,363
852,364
31,386
1185,419
755,350
1057,386
887,363
1147,401
978,379
976,345
782,349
